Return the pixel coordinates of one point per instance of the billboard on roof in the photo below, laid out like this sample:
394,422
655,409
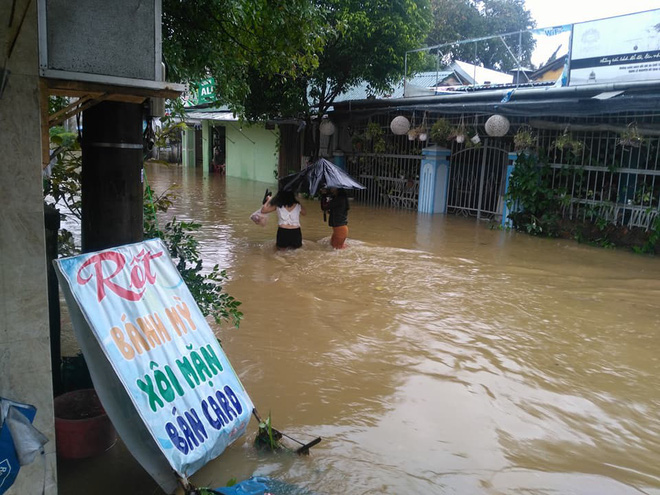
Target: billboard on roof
616,49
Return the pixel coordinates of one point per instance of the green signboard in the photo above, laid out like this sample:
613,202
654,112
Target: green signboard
200,93
206,91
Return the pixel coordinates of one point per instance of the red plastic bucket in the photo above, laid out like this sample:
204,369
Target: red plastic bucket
82,428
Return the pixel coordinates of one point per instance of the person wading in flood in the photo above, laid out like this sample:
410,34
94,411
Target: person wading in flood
337,205
289,209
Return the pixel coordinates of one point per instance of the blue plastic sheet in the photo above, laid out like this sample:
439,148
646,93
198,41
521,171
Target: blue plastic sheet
261,485
9,464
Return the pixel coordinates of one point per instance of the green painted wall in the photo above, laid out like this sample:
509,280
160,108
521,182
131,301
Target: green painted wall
188,147
251,152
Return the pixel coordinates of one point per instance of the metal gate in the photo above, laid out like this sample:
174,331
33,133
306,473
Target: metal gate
476,183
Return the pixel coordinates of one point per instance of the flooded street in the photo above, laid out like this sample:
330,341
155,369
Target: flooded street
434,355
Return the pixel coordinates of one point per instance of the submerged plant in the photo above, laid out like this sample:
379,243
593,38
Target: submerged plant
267,437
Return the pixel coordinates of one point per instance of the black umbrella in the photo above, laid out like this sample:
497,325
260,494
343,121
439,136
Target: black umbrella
321,173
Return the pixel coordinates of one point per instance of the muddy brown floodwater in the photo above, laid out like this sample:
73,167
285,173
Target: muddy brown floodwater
435,355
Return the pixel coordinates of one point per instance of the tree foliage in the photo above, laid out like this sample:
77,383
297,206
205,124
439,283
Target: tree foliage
456,20
365,41
368,43
236,40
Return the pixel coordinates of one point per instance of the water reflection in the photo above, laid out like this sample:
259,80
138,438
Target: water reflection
435,355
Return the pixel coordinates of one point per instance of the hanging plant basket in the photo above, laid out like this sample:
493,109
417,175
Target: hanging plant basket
631,136
524,140
565,142
441,131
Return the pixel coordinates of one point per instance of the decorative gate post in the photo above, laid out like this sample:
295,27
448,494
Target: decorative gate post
506,222
339,159
434,180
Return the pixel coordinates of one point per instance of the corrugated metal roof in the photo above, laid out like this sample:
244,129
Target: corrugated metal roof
423,80
211,114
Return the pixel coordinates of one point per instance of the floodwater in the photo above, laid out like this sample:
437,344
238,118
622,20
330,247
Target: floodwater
434,355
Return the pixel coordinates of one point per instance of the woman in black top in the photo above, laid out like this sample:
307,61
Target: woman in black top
337,206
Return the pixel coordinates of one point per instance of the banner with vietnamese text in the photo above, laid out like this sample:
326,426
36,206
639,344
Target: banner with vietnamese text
161,348
617,49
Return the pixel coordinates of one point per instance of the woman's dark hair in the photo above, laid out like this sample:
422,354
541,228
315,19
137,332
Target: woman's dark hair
284,198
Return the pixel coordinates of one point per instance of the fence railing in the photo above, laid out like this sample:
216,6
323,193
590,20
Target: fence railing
604,177
390,180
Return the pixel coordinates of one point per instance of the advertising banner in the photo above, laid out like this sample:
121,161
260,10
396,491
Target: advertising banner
154,360
617,49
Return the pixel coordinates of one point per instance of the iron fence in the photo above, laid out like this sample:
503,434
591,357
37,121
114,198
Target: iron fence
598,169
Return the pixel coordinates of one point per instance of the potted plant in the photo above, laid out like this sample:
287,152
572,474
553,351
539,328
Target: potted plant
375,133
82,427
565,142
471,138
459,132
357,142
441,131
373,130
421,132
630,136
524,140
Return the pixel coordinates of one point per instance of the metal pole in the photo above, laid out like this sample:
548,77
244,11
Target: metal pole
481,178
405,73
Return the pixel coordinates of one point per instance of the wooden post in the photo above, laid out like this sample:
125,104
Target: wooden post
112,159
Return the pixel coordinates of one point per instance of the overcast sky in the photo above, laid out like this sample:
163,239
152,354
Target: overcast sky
549,13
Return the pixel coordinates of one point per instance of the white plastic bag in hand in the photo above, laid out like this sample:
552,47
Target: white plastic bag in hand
259,218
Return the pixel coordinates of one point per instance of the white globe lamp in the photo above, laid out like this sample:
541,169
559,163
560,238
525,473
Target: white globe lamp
497,126
327,128
400,125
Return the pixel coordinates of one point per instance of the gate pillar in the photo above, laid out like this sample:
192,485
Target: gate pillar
506,222
434,180
339,159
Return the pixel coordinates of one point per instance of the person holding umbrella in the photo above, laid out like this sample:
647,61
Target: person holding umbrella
325,174
337,206
289,209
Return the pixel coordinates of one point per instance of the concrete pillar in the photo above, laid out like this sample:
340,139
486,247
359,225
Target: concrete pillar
25,358
207,154
339,159
188,147
434,180
111,183
506,222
